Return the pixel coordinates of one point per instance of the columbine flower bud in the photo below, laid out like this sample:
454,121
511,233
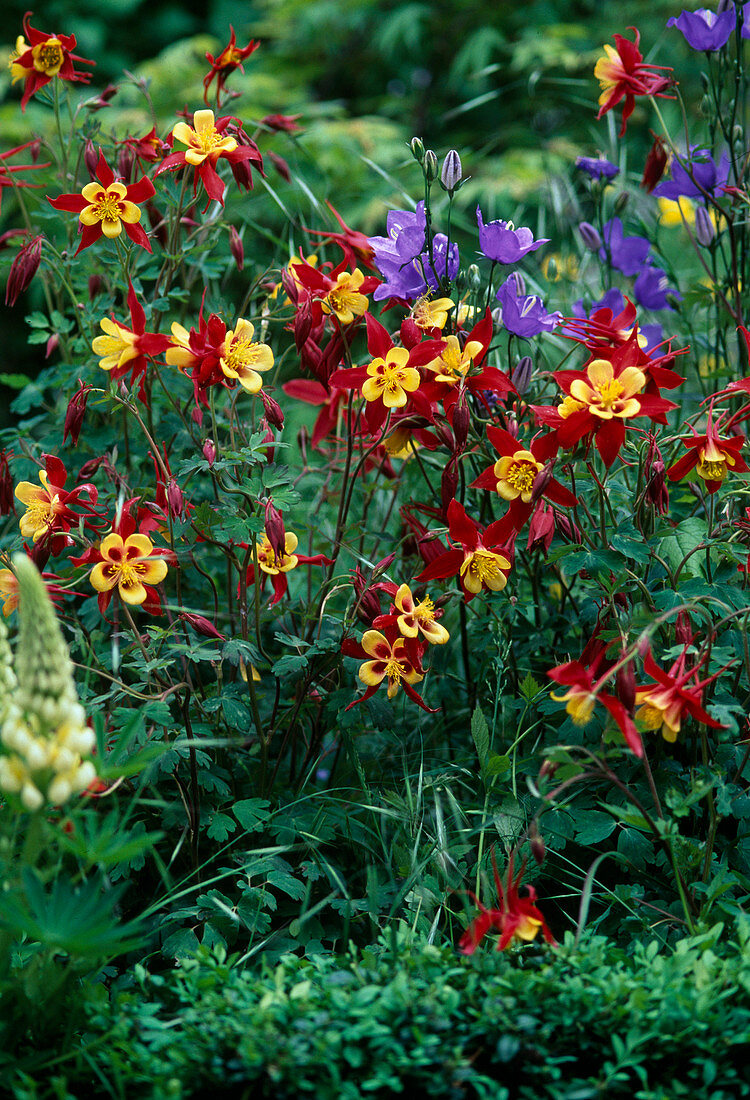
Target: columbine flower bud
541,481
704,227
590,236
236,248
568,529
538,847
7,496
368,604
202,625
75,412
417,149
656,162
461,421
683,629
51,345
430,165
626,685
95,286
448,485
175,499
125,164
541,528
23,269
451,173
521,374
90,157
275,532
273,410
209,451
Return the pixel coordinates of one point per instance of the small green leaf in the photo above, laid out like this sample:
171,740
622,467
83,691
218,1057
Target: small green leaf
481,734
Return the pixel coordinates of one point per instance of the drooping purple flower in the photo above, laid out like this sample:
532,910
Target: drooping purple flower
404,262
597,168
652,287
502,242
709,176
524,314
704,29
627,254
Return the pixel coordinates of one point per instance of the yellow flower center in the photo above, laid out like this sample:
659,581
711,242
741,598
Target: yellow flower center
609,393
39,515
394,670
484,567
128,573
48,57
650,716
243,353
712,471
425,610
521,475
580,708
107,207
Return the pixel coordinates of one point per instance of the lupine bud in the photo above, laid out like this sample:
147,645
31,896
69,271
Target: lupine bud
209,451
90,157
461,421
274,525
451,173
23,269
175,499
201,624
626,685
236,248
273,410
95,286
417,149
590,236
75,412
704,227
430,165
7,496
521,374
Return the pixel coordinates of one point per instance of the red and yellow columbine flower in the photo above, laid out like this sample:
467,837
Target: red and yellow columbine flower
344,299
391,658
623,74
243,357
48,505
483,560
230,58
711,456
207,140
662,705
612,388
123,349
8,591
107,207
276,565
414,618
517,918
130,565
584,693
42,58
391,379
453,367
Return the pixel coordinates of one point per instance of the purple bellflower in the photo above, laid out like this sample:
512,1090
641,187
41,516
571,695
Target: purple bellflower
502,242
403,261
524,314
652,287
704,29
709,176
627,254
597,168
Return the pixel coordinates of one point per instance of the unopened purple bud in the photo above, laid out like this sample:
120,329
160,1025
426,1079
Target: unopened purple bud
704,227
451,172
521,374
590,236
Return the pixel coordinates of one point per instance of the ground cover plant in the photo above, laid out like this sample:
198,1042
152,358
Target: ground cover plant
373,597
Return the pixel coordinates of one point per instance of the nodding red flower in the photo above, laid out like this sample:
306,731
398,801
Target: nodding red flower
208,140
107,207
656,162
517,918
663,704
389,657
711,456
623,75
49,511
6,170
484,558
584,693
43,57
148,148
75,412
23,269
124,349
611,389
519,474
7,504
230,58
355,245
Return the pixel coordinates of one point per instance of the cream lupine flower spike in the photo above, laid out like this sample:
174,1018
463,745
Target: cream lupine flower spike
44,732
